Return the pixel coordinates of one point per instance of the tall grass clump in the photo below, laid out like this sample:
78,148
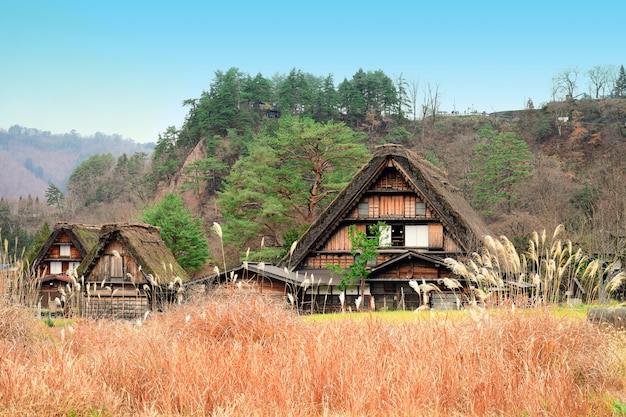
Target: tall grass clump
552,267
17,285
249,356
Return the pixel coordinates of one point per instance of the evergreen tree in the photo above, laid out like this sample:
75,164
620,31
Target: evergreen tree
224,104
255,91
370,92
54,195
295,93
40,238
352,102
328,101
402,102
207,170
620,83
502,161
183,234
13,238
91,180
291,174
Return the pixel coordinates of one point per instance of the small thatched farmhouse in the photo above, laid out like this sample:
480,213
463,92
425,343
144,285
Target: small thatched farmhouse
129,272
427,220
62,252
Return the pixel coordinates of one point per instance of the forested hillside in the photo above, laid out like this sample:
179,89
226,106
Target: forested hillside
31,159
264,156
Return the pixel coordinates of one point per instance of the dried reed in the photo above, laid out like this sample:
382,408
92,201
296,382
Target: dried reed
553,268
247,356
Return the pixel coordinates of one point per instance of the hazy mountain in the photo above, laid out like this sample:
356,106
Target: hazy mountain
31,159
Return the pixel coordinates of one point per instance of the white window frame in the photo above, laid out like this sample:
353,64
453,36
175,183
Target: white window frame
56,267
65,251
416,236
73,266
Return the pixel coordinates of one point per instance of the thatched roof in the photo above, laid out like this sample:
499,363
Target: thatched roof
465,225
143,242
83,237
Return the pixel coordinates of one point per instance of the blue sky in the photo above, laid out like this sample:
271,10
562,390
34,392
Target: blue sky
125,67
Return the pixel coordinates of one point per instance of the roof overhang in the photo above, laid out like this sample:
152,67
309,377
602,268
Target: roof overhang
50,278
408,255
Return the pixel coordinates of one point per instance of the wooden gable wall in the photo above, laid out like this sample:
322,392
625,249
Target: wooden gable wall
389,199
54,254
63,239
107,267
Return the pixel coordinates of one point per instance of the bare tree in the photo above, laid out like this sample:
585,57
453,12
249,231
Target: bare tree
413,91
431,100
600,78
430,105
564,84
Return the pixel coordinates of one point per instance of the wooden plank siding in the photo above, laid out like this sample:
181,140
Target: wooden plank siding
435,236
102,269
55,250
391,206
320,261
118,307
391,179
339,241
449,244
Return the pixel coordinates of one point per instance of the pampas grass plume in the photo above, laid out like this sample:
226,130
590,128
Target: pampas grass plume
293,247
217,229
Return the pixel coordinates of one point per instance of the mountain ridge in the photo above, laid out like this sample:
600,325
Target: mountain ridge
31,159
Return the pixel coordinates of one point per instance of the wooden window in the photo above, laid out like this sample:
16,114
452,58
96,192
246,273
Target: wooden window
115,269
416,236
73,265
420,209
390,287
65,250
364,209
397,235
56,267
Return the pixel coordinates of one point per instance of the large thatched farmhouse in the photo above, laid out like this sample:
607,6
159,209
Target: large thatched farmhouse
426,220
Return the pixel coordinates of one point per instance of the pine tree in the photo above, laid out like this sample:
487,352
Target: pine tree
501,163
54,195
620,83
289,177
182,233
40,238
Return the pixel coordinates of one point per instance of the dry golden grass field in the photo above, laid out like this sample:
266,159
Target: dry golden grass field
246,357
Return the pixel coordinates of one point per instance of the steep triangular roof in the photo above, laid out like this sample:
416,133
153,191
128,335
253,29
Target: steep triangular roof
457,216
144,243
83,236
